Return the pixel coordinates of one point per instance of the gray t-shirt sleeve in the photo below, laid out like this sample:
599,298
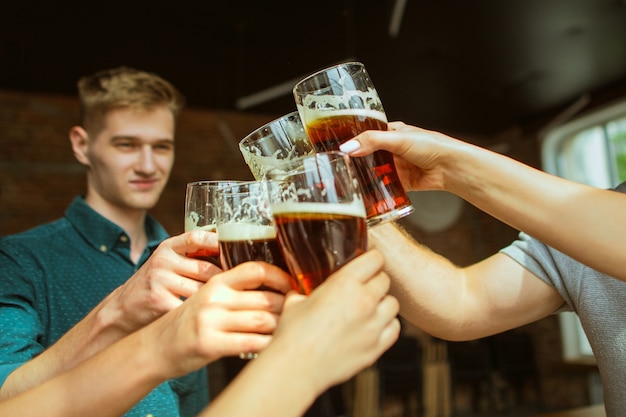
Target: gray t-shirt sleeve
548,264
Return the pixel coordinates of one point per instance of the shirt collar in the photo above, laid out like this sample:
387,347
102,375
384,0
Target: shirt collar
102,233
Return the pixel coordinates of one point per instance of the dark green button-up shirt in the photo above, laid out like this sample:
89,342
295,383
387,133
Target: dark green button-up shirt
53,275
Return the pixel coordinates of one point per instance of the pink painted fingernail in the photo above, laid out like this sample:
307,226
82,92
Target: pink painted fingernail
350,146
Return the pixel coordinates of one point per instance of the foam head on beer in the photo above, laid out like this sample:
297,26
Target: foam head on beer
245,242
245,226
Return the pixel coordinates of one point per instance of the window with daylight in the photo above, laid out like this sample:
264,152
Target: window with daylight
590,149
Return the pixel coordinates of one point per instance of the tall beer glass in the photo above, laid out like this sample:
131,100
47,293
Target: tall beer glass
201,213
245,227
279,140
319,214
337,104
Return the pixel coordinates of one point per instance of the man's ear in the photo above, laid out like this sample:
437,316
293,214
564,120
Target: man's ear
80,144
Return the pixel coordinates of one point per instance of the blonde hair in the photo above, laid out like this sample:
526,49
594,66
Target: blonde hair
124,87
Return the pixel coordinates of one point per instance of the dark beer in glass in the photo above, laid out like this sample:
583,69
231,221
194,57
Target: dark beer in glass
319,215
337,104
241,242
245,226
206,254
317,239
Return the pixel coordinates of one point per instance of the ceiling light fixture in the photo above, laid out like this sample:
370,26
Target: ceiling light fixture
396,18
273,92
268,94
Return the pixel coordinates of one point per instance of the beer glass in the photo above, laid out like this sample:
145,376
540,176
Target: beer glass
245,226
200,212
319,214
337,104
279,140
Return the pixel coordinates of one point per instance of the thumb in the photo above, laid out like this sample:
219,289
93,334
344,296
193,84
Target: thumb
369,141
292,298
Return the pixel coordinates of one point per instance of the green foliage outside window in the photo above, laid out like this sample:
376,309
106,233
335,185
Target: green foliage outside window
618,142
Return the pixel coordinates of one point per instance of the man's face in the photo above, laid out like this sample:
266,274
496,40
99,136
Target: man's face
131,158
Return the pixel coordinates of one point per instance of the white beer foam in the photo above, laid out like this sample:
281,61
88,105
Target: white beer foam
191,225
317,106
316,114
355,208
259,165
245,231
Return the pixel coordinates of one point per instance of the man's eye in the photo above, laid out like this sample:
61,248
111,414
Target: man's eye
163,147
126,145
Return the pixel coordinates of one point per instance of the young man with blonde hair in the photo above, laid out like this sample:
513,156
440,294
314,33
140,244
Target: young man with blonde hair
72,287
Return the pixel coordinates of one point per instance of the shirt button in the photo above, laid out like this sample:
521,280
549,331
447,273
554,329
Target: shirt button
103,248
124,238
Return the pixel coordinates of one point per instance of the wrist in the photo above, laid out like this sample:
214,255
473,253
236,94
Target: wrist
107,321
305,372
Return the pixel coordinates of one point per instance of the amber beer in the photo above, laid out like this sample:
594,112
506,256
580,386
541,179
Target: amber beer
205,254
243,242
381,187
319,238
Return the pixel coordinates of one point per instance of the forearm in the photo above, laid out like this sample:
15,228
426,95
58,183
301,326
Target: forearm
274,385
430,289
89,336
580,221
455,303
107,384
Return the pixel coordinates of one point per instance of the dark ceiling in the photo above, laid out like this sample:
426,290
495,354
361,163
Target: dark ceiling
476,66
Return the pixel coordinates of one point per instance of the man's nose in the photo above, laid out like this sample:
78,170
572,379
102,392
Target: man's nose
146,163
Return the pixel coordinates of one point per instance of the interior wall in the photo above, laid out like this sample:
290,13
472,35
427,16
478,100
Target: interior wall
39,177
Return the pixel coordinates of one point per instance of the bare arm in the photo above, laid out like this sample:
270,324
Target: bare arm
578,220
225,317
342,328
155,289
456,303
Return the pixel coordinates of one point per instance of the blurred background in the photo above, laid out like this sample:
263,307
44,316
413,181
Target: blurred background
470,67
501,74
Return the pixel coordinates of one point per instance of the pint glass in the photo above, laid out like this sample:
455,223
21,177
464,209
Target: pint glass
279,140
319,214
200,212
245,227
337,104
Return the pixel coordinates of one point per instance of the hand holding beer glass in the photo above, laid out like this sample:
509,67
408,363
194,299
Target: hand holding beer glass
200,212
337,104
319,214
278,141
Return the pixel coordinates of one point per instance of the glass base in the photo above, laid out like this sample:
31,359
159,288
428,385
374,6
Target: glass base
390,216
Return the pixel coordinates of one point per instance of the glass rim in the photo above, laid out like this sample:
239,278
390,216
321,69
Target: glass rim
268,124
321,71
242,183
211,182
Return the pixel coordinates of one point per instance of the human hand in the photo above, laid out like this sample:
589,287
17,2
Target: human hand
421,156
343,326
227,316
162,283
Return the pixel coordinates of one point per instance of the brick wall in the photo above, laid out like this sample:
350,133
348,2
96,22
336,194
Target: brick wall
39,177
